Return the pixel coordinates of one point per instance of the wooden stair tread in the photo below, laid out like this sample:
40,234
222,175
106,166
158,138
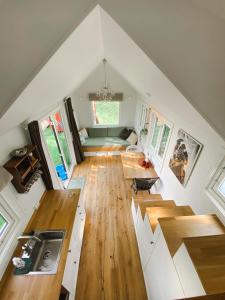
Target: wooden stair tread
208,256
145,196
153,213
150,203
175,229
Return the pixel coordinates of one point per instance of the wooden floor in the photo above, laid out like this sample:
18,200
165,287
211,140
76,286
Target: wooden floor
110,267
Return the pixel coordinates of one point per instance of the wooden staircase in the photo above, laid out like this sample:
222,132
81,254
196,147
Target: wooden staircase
194,247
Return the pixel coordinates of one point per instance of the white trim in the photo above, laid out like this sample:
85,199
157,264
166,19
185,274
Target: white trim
57,183
216,197
152,152
8,240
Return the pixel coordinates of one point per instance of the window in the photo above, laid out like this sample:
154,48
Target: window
163,142
217,185
7,222
3,224
160,130
157,128
106,112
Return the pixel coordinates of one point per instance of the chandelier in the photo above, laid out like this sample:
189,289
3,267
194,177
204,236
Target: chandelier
105,93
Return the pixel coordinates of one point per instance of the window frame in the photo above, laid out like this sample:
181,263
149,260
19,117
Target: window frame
11,217
105,125
154,151
212,189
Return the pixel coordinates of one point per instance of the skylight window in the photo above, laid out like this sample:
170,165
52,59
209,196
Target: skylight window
106,112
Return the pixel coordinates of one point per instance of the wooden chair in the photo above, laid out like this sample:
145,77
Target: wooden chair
143,184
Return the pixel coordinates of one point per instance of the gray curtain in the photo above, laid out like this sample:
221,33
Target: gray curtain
35,136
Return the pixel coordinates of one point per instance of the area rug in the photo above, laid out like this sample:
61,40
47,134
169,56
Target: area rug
76,183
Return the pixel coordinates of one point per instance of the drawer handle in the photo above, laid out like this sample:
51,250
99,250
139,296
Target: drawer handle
80,213
82,219
69,251
74,262
151,242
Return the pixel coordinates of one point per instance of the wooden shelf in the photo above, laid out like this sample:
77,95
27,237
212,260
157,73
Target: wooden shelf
24,169
26,172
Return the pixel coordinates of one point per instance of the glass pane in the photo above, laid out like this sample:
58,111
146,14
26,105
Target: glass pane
106,113
62,137
156,133
165,135
3,224
53,149
222,187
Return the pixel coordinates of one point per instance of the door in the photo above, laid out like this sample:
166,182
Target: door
57,146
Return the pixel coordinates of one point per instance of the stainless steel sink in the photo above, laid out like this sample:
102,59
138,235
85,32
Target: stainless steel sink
45,255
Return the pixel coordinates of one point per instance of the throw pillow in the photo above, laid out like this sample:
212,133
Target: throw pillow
125,133
83,132
132,139
82,139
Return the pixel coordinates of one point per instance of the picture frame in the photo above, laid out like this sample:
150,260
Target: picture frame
184,157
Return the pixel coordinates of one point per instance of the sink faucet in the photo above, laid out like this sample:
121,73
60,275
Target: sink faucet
28,246
27,237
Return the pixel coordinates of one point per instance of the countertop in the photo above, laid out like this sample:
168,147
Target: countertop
175,229
131,167
56,211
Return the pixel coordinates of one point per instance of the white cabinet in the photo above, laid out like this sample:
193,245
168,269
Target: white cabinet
162,280
189,278
71,269
145,240
134,213
73,257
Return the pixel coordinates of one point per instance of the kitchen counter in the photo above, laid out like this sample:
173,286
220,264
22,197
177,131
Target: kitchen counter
56,211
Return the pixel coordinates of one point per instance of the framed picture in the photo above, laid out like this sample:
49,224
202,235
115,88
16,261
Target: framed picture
184,156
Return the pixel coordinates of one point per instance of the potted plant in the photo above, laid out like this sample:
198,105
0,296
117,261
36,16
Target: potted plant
144,131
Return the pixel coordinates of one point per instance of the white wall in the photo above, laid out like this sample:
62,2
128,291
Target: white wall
146,77
82,105
77,57
22,204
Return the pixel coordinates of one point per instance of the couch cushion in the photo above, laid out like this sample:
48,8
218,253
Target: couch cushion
105,141
97,132
115,131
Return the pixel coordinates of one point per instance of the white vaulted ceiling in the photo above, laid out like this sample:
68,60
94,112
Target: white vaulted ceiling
183,39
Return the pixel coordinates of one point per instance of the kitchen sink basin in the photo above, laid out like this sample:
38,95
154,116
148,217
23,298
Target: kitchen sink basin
45,253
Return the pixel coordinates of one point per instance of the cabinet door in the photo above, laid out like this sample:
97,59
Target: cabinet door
134,213
78,228
188,275
145,240
161,276
71,270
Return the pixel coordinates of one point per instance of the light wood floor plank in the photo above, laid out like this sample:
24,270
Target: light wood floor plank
110,267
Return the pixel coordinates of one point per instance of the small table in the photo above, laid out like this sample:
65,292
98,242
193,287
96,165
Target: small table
132,169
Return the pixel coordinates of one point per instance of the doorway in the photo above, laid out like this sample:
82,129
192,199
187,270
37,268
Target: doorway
57,145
